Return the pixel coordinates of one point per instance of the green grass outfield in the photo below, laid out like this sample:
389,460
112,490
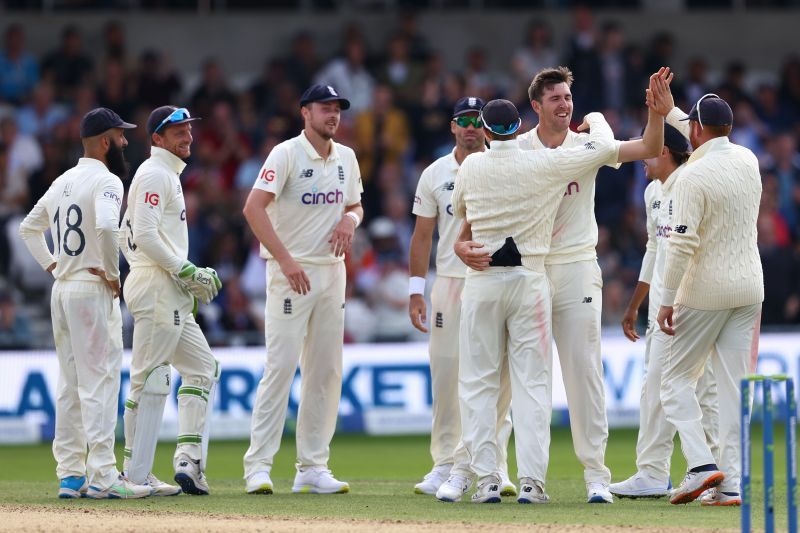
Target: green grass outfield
382,472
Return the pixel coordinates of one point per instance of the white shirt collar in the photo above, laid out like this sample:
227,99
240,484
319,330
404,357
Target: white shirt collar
172,161
312,152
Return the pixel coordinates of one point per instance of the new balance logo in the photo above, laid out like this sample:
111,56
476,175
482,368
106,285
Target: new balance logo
449,186
439,320
176,318
287,306
657,204
307,173
590,146
680,229
587,300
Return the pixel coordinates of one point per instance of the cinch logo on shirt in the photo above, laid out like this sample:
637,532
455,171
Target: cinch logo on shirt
114,196
449,209
151,198
323,198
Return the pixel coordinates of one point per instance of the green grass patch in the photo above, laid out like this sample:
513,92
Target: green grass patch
382,472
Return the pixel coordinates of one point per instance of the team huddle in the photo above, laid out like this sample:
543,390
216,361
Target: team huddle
516,269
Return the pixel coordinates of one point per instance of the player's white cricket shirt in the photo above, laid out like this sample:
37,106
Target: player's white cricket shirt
81,208
659,207
311,194
509,192
575,228
433,199
154,226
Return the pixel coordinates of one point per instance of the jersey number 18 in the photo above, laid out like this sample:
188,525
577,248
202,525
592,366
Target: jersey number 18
71,227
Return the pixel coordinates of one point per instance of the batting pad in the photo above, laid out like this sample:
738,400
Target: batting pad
207,425
150,411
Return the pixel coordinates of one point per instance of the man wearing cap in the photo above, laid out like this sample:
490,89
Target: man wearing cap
81,209
656,435
432,206
505,305
713,289
573,270
162,291
304,208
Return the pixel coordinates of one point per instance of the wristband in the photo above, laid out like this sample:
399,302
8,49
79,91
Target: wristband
416,285
354,216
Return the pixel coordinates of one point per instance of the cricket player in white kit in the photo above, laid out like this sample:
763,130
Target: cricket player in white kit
509,197
433,207
574,273
304,208
713,290
655,441
81,209
161,291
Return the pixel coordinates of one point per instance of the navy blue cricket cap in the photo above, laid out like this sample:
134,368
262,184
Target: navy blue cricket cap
673,139
468,104
501,117
167,115
711,110
100,120
323,93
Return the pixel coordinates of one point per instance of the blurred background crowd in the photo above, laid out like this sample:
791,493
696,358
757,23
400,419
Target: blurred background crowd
402,95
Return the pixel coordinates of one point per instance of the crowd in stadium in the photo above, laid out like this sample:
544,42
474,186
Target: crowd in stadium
402,97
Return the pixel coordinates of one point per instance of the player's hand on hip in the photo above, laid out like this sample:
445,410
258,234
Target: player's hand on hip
418,312
472,255
629,324
111,284
342,238
665,319
297,277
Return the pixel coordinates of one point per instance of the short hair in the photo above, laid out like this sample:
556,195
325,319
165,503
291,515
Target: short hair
719,131
678,158
547,78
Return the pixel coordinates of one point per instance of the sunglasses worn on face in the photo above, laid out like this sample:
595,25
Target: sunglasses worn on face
464,121
176,116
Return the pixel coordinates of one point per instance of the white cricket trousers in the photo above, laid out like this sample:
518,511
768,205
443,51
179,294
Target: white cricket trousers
87,327
656,435
444,319
310,329
166,333
731,337
577,306
506,310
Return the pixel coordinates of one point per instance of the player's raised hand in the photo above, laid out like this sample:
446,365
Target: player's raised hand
629,324
297,277
471,254
665,319
659,96
418,312
342,238
584,125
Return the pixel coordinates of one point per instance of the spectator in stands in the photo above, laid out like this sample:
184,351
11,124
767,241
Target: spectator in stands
614,66
662,49
115,90
696,84
213,89
114,41
229,145
23,159
535,54
349,75
156,83
400,72
382,133
769,110
15,331
19,70
784,163
781,277
583,60
264,91
790,87
304,62
42,114
732,88
418,47
68,66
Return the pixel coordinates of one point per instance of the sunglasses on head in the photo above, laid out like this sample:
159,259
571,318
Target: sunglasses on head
464,121
178,115
504,129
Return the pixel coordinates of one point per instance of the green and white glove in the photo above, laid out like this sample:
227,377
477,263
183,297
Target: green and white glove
202,283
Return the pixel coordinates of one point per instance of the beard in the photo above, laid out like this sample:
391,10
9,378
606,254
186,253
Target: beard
115,160
322,131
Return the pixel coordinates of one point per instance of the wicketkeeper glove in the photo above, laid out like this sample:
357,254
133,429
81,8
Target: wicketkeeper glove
202,283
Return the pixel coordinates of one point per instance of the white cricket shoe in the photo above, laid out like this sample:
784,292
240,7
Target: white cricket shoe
694,484
717,498
640,485
259,483
598,493
507,488
532,491
433,480
488,490
318,480
189,476
161,488
454,488
121,489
